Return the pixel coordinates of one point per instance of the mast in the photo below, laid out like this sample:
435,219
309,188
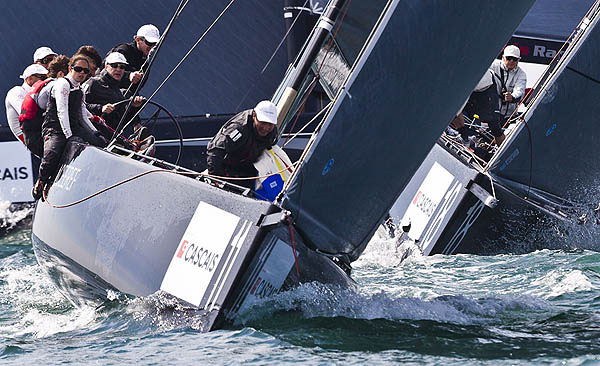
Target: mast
322,30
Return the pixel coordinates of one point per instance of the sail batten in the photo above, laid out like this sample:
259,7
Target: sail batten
408,82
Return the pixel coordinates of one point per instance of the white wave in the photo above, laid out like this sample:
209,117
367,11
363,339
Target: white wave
9,217
558,282
317,300
387,252
40,309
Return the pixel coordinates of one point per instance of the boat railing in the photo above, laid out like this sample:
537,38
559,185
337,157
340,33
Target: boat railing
162,164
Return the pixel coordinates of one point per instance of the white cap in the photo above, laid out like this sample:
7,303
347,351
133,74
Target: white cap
512,51
33,70
149,32
266,111
116,58
42,52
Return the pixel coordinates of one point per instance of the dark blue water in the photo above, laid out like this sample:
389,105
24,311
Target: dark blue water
541,308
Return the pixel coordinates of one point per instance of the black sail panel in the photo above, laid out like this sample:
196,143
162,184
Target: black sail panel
557,151
426,57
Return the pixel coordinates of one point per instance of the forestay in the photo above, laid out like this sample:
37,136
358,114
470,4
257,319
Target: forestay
417,66
556,152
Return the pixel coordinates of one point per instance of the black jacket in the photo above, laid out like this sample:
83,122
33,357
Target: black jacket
134,57
103,89
237,145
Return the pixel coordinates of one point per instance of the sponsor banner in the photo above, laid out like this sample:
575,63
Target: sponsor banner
199,252
426,200
534,50
272,275
16,173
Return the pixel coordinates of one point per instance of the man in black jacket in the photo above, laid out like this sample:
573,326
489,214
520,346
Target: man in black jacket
136,53
102,93
240,142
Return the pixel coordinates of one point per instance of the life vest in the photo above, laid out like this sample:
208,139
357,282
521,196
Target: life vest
31,114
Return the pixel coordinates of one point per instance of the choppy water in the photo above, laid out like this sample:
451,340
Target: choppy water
541,308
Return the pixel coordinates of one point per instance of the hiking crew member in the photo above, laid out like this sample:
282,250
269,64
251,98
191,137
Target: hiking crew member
513,80
35,103
66,118
14,97
241,140
43,56
136,53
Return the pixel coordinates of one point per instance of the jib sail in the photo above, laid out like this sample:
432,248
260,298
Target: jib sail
410,78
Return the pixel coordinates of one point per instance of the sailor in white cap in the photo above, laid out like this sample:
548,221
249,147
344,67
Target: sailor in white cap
14,97
233,151
102,92
137,52
513,79
43,56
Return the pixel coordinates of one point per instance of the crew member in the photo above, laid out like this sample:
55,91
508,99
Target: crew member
43,56
485,102
513,80
66,118
36,102
136,53
238,144
14,97
102,93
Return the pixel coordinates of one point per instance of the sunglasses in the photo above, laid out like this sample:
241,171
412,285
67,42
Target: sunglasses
510,58
118,66
84,70
40,76
47,59
149,44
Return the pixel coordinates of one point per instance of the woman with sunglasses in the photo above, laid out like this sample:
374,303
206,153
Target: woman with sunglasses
513,80
66,118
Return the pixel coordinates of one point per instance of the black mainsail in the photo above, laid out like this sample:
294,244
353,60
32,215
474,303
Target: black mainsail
552,155
398,86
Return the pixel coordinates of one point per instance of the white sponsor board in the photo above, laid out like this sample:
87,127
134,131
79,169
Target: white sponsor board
273,274
199,252
16,174
426,200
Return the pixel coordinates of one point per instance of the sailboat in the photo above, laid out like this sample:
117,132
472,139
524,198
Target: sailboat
541,178
112,223
222,82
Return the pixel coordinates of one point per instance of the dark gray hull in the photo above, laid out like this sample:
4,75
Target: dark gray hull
126,238
449,218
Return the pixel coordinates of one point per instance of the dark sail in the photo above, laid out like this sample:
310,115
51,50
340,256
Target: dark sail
222,75
555,153
553,19
423,58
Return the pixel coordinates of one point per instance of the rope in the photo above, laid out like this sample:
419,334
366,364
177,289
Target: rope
290,139
157,171
180,62
293,239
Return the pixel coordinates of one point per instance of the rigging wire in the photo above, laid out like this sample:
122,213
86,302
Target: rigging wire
181,61
290,139
284,38
178,11
271,58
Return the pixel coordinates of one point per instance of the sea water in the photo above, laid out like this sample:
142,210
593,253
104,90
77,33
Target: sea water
541,308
